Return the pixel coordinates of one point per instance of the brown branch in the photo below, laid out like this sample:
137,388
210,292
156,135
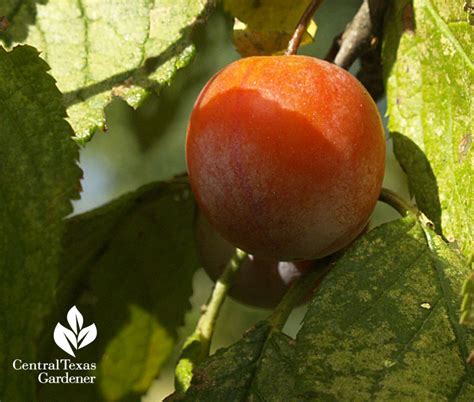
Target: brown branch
300,29
362,38
360,35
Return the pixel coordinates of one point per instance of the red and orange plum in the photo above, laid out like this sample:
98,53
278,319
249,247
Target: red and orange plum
286,156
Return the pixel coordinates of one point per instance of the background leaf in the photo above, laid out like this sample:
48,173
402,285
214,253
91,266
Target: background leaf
383,326
138,280
265,27
98,49
39,177
430,77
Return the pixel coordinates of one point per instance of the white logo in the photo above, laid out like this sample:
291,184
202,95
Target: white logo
76,337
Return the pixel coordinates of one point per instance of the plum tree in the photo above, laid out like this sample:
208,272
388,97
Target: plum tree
286,156
259,282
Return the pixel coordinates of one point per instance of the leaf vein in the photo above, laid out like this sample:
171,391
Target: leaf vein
444,28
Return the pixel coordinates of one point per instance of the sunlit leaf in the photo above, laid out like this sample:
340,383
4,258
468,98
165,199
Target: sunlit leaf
428,61
265,26
98,49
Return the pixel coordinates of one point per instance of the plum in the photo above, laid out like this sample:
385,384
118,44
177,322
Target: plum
286,156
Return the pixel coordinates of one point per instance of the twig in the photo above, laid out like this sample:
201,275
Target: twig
300,29
197,345
356,37
360,34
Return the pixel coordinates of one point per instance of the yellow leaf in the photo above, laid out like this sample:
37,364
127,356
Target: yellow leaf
265,27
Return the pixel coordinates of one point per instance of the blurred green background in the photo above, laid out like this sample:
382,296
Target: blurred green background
148,144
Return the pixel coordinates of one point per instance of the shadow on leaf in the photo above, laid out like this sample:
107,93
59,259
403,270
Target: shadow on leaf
20,15
133,282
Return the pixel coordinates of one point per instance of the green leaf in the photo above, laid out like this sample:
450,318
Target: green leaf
98,49
383,326
136,258
231,373
395,332
467,306
39,178
264,27
429,71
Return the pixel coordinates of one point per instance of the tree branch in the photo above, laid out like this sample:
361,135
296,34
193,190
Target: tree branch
362,38
356,38
300,29
197,345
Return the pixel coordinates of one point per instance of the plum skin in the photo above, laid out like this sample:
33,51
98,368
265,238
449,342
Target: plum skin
286,156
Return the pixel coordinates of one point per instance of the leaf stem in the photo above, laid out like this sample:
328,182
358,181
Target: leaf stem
304,284
397,202
197,345
404,207
300,29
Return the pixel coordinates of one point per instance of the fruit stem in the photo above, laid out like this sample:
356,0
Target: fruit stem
197,345
397,202
300,29
303,285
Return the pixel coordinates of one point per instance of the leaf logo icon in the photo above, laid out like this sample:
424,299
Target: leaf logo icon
76,337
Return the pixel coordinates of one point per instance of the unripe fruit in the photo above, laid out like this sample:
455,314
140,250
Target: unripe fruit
259,282
286,156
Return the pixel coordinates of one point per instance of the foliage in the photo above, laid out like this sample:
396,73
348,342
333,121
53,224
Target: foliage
265,27
137,258
85,41
39,178
385,323
430,76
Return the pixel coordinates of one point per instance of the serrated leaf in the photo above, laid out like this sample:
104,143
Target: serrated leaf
39,177
138,271
265,27
430,76
98,49
384,325
386,322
